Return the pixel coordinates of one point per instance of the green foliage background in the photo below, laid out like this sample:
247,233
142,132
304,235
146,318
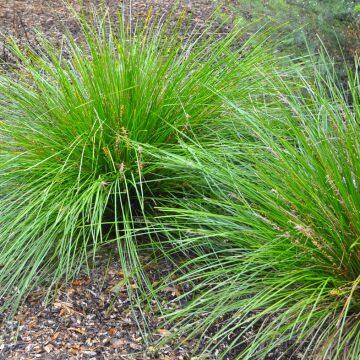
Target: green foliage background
310,24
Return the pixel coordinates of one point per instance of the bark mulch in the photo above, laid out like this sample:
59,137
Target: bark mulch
91,318
19,18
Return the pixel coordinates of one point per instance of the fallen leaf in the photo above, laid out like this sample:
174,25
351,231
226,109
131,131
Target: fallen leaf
79,330
135,346
174,291
48,348
118,343
55,336
81,281
164,332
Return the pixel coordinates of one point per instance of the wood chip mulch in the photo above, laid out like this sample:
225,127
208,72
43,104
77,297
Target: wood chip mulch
22,18
91,319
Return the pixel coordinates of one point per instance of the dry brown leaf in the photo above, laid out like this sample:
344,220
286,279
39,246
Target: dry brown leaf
118,343
48,348
174,291
79,330
55,336
66,308
164,332
32,324
135,346
81,281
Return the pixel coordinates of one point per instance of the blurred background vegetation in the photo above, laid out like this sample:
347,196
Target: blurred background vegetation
309,25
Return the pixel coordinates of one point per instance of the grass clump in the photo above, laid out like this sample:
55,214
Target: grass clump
75,123
273,229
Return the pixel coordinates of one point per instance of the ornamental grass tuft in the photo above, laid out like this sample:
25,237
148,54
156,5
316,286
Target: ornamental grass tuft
272,229
75,175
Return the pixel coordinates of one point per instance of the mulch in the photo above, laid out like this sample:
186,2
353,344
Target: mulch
91,318
22,18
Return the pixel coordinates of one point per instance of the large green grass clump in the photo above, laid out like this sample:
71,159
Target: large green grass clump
273,231
75,126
